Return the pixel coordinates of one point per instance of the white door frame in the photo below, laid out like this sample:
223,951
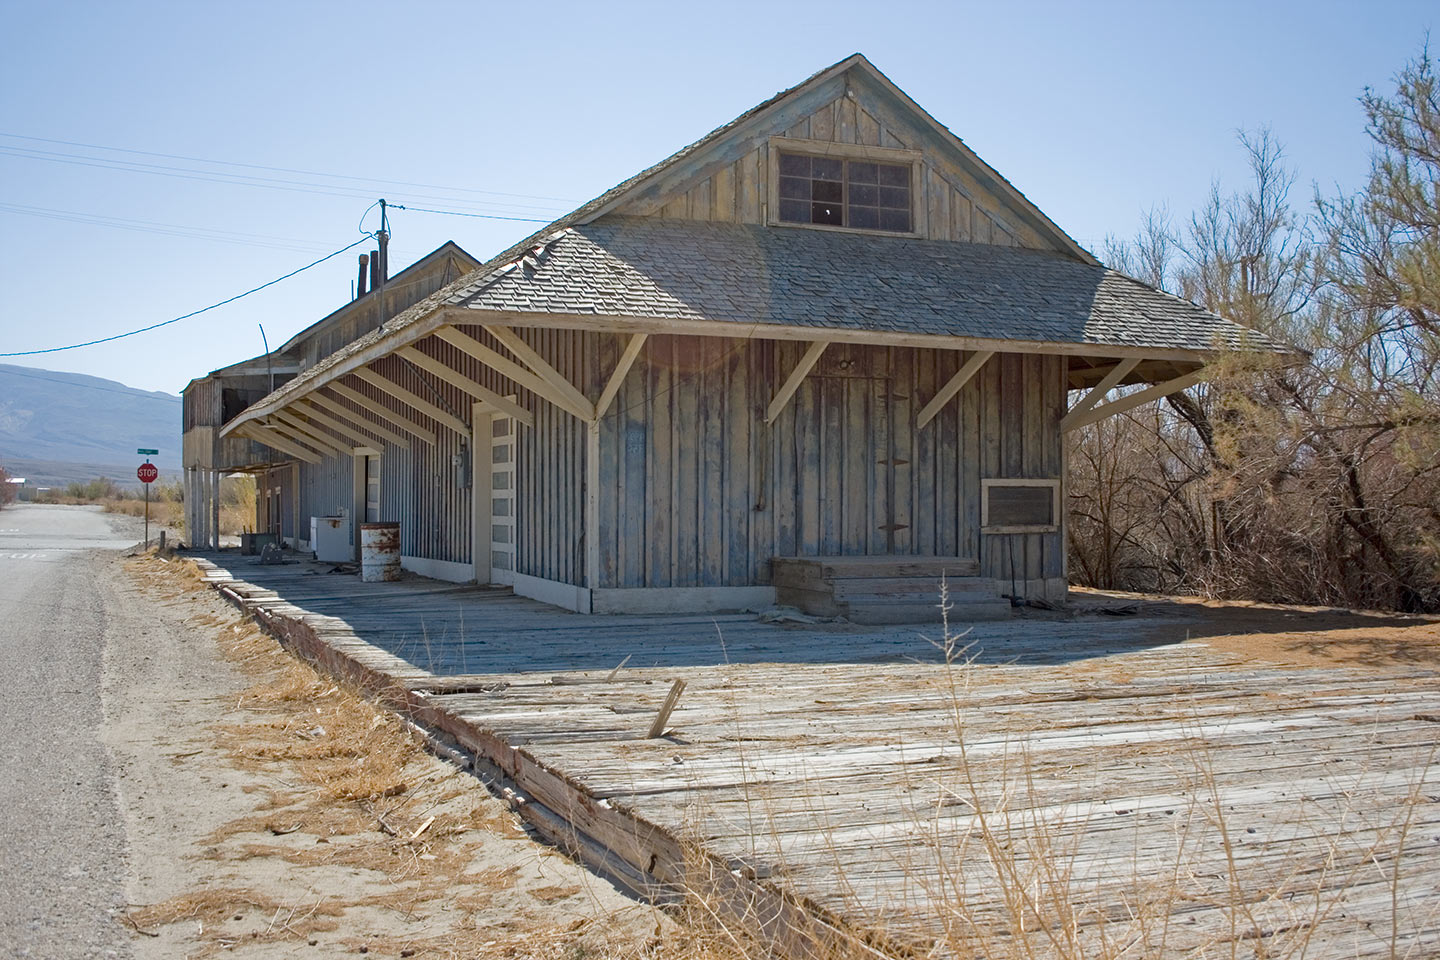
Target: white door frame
485,521
360,490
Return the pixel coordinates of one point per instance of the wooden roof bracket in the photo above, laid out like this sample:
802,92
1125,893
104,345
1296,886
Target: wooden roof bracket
386,385
526,354
1131,400
947,393
792,382
506,367
1097,393
465,385
376,410
617,377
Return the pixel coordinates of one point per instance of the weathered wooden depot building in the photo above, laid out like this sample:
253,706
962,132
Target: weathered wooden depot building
824,348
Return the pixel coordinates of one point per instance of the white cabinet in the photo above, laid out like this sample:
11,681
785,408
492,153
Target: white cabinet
331,540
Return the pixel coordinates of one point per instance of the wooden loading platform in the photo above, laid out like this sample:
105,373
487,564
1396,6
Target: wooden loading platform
1042,786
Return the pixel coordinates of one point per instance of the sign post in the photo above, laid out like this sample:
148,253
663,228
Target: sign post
147,473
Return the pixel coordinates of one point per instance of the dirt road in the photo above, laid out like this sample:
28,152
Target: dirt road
175,785
62,847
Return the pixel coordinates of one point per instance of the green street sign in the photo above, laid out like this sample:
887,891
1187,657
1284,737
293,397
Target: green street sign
148,453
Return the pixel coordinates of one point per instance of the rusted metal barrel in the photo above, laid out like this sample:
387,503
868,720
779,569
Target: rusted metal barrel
379,552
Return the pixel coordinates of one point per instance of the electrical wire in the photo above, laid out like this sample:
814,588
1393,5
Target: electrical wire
223,177
307,173
193,313
11,371
163,229
457,213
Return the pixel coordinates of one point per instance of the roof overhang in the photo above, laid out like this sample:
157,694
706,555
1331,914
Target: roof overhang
1090,357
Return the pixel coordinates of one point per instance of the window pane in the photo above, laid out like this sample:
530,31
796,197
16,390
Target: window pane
826,191
866,218
865,194
826,168
794,188
500,559
500,507
826,213
500,454
372,466
894,175
898,197
794,211
500,480
863,172
499,533
896,220
499,426
794,165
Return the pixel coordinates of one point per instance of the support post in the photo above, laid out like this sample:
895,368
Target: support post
215,476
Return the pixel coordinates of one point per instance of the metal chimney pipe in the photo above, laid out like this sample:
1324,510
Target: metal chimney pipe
374,269
364,269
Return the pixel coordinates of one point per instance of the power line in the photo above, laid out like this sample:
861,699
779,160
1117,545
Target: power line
457,213
308,173
193,313
221,176
142,394
162,229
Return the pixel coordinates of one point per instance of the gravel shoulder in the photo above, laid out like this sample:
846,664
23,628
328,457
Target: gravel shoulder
271,813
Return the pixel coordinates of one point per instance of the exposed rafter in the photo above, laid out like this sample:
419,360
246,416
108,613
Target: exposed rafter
277,442
461,382
345,428
307,431
528,356
374,410
506,367
386,385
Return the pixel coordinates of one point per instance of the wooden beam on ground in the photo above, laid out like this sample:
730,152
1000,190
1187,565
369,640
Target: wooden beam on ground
1097,392
386,385
534,361
506,367
953,386
622,369
305,430
345,428
461,382
256,432
375,410
792,382
1132,400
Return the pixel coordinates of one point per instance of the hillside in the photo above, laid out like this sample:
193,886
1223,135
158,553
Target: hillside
59,426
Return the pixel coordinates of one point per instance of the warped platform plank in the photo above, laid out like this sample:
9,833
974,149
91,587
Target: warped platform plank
1049,785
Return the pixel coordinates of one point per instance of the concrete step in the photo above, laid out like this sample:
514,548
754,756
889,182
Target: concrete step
796,570
960,589
905,611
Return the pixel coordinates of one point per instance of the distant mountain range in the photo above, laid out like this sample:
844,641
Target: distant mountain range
56,427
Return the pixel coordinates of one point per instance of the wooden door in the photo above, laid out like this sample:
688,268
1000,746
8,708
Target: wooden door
502,499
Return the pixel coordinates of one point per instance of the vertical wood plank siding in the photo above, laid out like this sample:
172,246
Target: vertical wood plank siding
419,488
951,205
697,491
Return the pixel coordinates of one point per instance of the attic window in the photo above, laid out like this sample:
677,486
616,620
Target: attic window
844,192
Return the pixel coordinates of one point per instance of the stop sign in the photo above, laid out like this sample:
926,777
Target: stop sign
147,473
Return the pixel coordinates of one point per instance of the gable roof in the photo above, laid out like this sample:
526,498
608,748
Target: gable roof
622,191
746,275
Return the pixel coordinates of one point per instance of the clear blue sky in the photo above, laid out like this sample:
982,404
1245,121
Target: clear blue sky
1096,111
